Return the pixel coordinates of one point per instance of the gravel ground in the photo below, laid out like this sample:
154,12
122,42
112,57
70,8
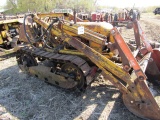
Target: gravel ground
23,97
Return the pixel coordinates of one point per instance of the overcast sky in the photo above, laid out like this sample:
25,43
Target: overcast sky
129,3
119,3
2,2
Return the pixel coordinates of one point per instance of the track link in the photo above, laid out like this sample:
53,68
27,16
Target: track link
41,53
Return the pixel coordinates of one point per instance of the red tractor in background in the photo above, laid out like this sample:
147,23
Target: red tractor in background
98,16
123,16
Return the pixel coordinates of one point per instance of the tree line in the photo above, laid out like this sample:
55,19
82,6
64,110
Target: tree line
88,6
22,6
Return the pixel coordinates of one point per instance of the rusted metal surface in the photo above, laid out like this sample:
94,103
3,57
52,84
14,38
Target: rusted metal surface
156,57
129,60
136,34
44,73
65,16
142,109
142,36
22,35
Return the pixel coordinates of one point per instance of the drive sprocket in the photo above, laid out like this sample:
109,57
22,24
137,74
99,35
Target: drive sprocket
74,72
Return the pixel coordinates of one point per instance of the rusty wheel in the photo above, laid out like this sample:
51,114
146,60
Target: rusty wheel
25,60
75,73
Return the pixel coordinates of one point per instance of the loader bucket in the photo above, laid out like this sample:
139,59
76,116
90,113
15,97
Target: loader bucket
153,68
149,111
156,57
148,106
139,98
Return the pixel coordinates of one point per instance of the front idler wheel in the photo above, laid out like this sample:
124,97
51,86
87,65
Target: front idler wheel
25,61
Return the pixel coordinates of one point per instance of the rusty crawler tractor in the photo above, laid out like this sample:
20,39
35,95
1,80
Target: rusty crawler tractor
72,54
9,32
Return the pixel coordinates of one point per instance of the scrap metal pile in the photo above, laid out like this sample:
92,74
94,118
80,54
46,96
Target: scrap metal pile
71,55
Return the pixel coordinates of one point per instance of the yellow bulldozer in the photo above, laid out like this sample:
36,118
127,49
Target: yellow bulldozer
9,31
71,54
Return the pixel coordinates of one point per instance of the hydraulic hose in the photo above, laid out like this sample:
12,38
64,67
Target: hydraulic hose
39,38
24,26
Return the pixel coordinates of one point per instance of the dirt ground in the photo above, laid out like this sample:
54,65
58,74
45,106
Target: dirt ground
23,97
